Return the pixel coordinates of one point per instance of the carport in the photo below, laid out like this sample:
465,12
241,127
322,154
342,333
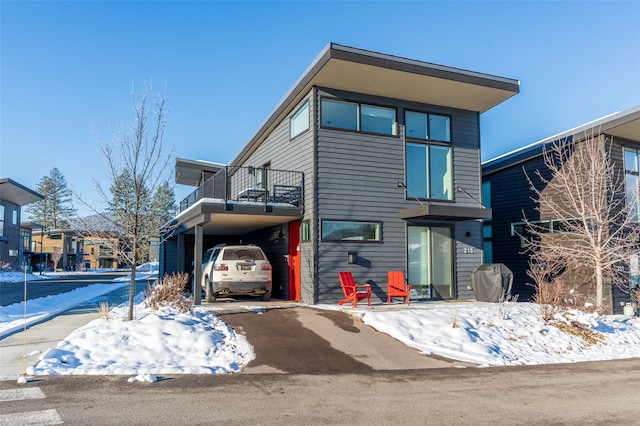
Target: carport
233,206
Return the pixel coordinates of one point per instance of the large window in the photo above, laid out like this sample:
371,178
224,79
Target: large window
342,230
358,117
1,220
300,121
434,127
632,181
429,171
428,164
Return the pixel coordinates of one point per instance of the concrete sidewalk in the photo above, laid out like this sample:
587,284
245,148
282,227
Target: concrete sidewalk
39,338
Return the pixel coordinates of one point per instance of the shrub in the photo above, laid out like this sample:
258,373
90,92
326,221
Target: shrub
169,291
103,309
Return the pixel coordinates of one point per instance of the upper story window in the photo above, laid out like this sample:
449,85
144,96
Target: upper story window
429,164
300,121
632,180
429,171
14,217
1,220
25,236
358,117
433,127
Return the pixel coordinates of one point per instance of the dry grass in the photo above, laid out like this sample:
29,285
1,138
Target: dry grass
169,291
589,336
103,309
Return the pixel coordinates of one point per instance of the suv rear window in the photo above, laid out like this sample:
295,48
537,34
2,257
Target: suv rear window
242,254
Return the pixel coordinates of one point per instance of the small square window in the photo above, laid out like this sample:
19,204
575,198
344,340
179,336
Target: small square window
305,231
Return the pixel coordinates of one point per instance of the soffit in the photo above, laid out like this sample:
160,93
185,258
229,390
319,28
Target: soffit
392,83
189,172
629,130
444,212
216,218
17,194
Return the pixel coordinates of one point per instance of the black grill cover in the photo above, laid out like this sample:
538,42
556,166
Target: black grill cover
492,282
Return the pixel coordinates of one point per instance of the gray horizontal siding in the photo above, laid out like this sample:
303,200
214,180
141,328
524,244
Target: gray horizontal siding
357,180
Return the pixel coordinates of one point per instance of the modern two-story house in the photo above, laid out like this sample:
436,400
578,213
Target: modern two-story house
370,163
14,239
507,191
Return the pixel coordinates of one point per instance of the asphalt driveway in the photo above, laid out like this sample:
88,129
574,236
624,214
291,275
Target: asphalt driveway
306,340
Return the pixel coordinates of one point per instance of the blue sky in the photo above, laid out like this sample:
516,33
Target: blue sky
67,68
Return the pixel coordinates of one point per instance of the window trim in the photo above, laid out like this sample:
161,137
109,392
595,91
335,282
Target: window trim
378,224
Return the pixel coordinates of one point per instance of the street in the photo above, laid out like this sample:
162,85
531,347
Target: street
11,293
583,393
315,374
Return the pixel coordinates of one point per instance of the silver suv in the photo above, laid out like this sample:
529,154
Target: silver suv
236,270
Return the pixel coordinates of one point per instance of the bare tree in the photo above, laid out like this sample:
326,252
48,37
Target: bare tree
593,230
136,164
55,257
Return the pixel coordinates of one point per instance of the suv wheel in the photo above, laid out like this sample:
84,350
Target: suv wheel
266,296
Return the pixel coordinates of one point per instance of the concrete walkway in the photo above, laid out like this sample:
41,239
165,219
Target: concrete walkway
39,338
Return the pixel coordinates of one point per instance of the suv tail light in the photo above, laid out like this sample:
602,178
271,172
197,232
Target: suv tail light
221,267
266,267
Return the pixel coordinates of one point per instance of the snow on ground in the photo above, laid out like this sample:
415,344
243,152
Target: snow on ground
16,277
487,334
493,334
160,341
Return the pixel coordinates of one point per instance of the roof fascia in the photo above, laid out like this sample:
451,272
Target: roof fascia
602,125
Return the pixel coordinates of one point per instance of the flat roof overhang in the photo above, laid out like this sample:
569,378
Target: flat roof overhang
444,212
357,70
15,193
216,218
189,172
623,124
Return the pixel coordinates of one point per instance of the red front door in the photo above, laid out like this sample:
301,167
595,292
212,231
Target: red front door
294,261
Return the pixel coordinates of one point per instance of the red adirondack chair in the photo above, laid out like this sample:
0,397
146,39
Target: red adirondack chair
353,292
396,287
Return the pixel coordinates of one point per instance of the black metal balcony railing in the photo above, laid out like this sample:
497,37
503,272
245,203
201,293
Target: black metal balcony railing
250,184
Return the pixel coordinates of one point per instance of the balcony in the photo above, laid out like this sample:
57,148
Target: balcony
250,186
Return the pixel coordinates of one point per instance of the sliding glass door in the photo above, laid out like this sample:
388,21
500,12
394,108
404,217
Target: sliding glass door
430,256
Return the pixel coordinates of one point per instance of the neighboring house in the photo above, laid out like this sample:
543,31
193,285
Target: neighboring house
67,241
506,190
370,163
14,239
98,253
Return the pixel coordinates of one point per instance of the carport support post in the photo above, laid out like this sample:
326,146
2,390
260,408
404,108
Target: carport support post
197,266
